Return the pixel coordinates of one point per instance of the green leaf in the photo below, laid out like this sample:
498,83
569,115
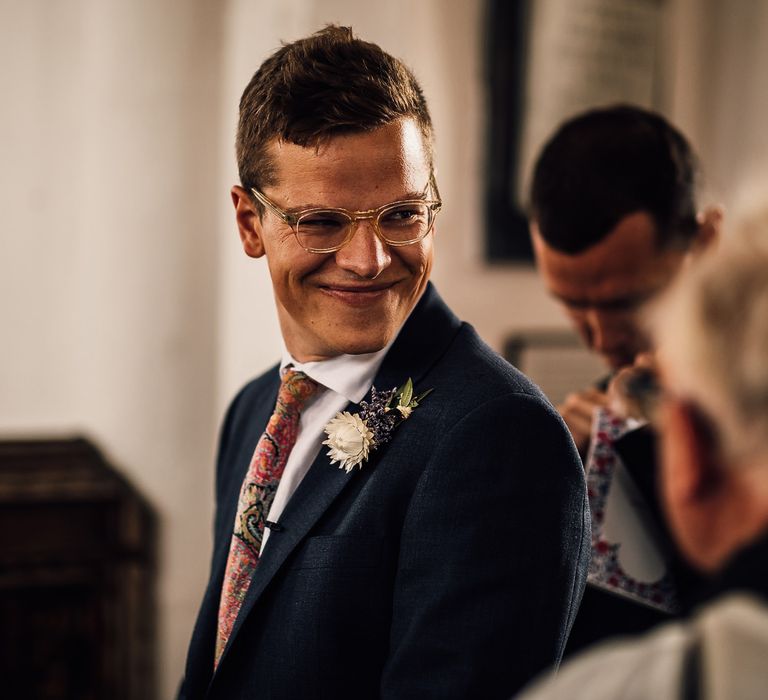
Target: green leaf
407,393
422,396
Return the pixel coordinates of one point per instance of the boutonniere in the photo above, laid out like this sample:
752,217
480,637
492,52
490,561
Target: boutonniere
353,436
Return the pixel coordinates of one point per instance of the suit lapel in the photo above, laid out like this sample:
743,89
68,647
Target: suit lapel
204,636
247,444
422,341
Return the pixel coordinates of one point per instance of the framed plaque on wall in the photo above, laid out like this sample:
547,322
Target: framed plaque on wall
547,60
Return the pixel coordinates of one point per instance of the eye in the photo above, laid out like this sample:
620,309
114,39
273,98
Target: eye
323,221
404,215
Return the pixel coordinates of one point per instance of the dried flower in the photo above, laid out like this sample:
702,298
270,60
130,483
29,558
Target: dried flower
352,436
349,440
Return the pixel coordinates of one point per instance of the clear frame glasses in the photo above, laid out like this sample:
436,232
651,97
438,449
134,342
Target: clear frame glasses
326,230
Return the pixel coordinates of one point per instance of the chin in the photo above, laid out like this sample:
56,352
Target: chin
362,346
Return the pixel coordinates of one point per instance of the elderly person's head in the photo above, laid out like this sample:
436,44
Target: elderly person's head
712,335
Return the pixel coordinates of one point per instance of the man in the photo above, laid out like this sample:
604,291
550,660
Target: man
713,350
613,222
446,558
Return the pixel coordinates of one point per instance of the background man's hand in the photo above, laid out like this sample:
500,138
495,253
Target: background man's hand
577,411
633,391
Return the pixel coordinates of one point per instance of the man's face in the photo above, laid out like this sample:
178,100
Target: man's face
354,300
603,288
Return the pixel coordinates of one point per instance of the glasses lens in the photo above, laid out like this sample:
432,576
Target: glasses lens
322,230
405,222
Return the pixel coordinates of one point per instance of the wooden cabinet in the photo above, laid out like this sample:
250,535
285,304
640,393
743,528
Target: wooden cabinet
77,545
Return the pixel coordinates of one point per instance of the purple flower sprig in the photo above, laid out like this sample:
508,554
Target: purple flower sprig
387,409
353,436
377,415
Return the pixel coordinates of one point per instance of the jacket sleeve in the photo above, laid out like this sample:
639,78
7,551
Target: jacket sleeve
493,556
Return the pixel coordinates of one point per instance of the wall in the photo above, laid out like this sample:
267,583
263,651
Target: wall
718,90
108,273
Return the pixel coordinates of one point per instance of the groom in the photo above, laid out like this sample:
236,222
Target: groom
375,543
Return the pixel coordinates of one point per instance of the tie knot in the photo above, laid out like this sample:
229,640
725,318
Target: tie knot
296,388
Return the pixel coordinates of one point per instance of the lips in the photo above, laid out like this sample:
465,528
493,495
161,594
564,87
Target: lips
357,294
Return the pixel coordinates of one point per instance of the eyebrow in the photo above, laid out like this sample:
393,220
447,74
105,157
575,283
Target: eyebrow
409,197
618,304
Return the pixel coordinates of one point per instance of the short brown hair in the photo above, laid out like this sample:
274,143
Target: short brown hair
327,84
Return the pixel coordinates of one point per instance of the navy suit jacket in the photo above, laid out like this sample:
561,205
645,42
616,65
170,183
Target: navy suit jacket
450,566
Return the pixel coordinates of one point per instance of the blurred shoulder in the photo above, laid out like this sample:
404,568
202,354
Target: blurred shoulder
646,668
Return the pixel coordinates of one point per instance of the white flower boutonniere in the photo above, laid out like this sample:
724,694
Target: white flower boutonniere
349,440
353,436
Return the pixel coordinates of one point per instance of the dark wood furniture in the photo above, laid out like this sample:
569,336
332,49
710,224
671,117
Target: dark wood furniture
77,617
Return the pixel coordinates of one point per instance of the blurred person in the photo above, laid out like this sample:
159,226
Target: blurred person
613,221
373,542
712,332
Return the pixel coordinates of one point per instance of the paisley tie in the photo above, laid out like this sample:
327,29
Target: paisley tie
256,496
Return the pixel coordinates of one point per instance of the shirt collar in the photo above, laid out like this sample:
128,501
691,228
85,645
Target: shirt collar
348,375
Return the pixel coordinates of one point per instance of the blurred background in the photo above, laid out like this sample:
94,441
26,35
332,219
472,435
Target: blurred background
129,313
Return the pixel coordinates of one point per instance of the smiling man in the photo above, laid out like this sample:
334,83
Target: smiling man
355,300
429,542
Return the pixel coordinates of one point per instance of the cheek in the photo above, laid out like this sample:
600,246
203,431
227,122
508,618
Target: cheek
290,265
418,258
580,322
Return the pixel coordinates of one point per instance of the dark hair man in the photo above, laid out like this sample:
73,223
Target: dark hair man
712,332
613,221
446,558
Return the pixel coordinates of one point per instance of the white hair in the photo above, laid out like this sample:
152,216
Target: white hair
711,329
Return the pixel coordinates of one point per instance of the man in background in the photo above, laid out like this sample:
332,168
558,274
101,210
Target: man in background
613,221
712,333
429,542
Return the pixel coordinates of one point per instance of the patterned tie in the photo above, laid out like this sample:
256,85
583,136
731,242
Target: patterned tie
256,496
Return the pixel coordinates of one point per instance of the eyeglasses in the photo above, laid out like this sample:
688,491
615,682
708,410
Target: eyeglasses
327,230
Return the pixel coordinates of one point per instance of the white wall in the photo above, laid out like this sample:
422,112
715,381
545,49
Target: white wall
127,308
718,90
108,193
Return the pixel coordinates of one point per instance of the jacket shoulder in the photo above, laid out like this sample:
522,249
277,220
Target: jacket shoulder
481,374
251,395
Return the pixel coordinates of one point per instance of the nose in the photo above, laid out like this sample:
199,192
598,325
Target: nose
599,332
365,255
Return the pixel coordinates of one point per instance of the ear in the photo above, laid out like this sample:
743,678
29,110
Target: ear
689,481
691,471
248,223
710,222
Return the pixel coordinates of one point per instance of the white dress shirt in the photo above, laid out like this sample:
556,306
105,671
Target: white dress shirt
342,379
